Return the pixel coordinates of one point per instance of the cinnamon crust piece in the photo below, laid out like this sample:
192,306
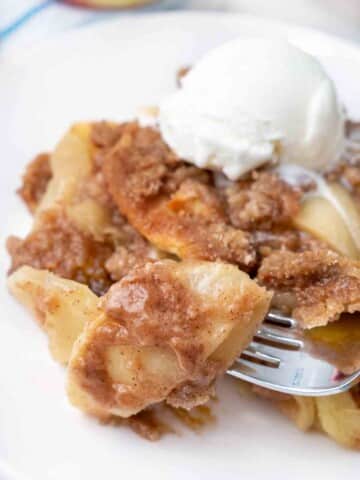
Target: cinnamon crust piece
58,246
323,283
262,202
170,202
35,181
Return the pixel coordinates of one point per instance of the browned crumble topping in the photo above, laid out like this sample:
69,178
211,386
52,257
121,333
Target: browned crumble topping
63,249
324,283
177,208
284,270
35,181
125,259
171,203
267,242
95,188
105,134
134,250
262,202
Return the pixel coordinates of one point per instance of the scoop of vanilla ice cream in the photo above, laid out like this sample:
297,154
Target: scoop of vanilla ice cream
251,100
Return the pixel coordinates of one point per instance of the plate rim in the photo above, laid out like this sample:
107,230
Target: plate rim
8,51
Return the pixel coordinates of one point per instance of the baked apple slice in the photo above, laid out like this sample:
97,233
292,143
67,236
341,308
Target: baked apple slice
62,307
167,331
338,227
338,342
72,167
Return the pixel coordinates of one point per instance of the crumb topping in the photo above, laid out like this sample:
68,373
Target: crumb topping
262,203
170,202
58,246
324,283
35,181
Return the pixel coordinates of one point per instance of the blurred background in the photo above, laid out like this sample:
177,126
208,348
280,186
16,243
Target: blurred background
24,21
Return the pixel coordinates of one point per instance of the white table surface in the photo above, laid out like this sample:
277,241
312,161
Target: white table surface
25,22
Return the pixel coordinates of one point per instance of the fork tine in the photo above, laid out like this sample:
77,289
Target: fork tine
267,337
277,360
253,355
280,320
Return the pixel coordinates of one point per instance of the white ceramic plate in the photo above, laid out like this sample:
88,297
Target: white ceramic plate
107,71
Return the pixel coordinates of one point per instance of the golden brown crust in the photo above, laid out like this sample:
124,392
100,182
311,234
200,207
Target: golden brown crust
58,246
323,283
126,258
262,202
105,134
35,180
285,270
171,203
267,242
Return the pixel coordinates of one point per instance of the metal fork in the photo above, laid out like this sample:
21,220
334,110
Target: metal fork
277,359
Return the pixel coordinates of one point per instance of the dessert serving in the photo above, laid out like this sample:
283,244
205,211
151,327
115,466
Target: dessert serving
158,246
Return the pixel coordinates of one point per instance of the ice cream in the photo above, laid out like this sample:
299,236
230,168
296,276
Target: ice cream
253,100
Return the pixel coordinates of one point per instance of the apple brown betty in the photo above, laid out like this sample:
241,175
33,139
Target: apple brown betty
150,275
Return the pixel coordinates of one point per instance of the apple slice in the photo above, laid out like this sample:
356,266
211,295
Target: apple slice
70,163
165,332
338,342
339,227
62,307
350,209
